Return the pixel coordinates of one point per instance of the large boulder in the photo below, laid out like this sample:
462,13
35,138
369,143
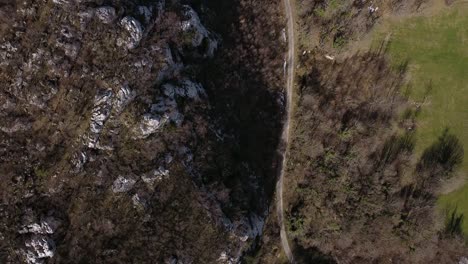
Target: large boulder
133,33
123,184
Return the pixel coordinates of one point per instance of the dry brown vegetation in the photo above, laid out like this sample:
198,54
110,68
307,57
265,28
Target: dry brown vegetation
333,24
357,195
232,134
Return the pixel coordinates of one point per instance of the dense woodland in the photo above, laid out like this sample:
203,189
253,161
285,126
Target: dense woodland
358,194
332,25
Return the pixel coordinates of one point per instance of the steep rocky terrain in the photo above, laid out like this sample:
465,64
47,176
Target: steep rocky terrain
127,133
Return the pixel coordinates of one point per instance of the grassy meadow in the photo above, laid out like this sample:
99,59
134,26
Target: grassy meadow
436,49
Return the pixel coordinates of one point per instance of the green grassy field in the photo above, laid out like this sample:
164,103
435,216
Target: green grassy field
436,47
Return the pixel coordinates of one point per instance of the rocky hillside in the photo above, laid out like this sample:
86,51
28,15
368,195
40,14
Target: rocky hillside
123,140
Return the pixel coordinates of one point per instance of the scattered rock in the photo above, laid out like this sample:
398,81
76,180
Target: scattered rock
373,9
61,2
155,176
151,124
79,160
197,30
122,184
38,248
224,258
167,107
138,202
106,14
187,89
46,226
124,96
101,112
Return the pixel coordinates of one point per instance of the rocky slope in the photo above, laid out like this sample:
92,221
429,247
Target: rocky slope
108,135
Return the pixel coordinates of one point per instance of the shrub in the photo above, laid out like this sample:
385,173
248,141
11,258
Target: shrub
447,152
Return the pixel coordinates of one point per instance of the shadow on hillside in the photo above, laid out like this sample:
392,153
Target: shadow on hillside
245,83
311,255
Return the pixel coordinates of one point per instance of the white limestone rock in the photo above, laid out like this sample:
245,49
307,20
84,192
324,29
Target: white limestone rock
138,202
167,107
38,248
155,176
61,2
124,96
122,184
101,112
224,258
46,226
106,14
79,160
134,33
151,124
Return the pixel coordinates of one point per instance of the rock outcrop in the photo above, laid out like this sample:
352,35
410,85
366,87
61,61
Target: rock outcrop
104,122
193,27
133,34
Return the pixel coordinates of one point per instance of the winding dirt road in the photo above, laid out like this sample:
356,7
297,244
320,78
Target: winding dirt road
290,67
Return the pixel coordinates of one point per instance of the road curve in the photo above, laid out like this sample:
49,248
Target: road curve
290,67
